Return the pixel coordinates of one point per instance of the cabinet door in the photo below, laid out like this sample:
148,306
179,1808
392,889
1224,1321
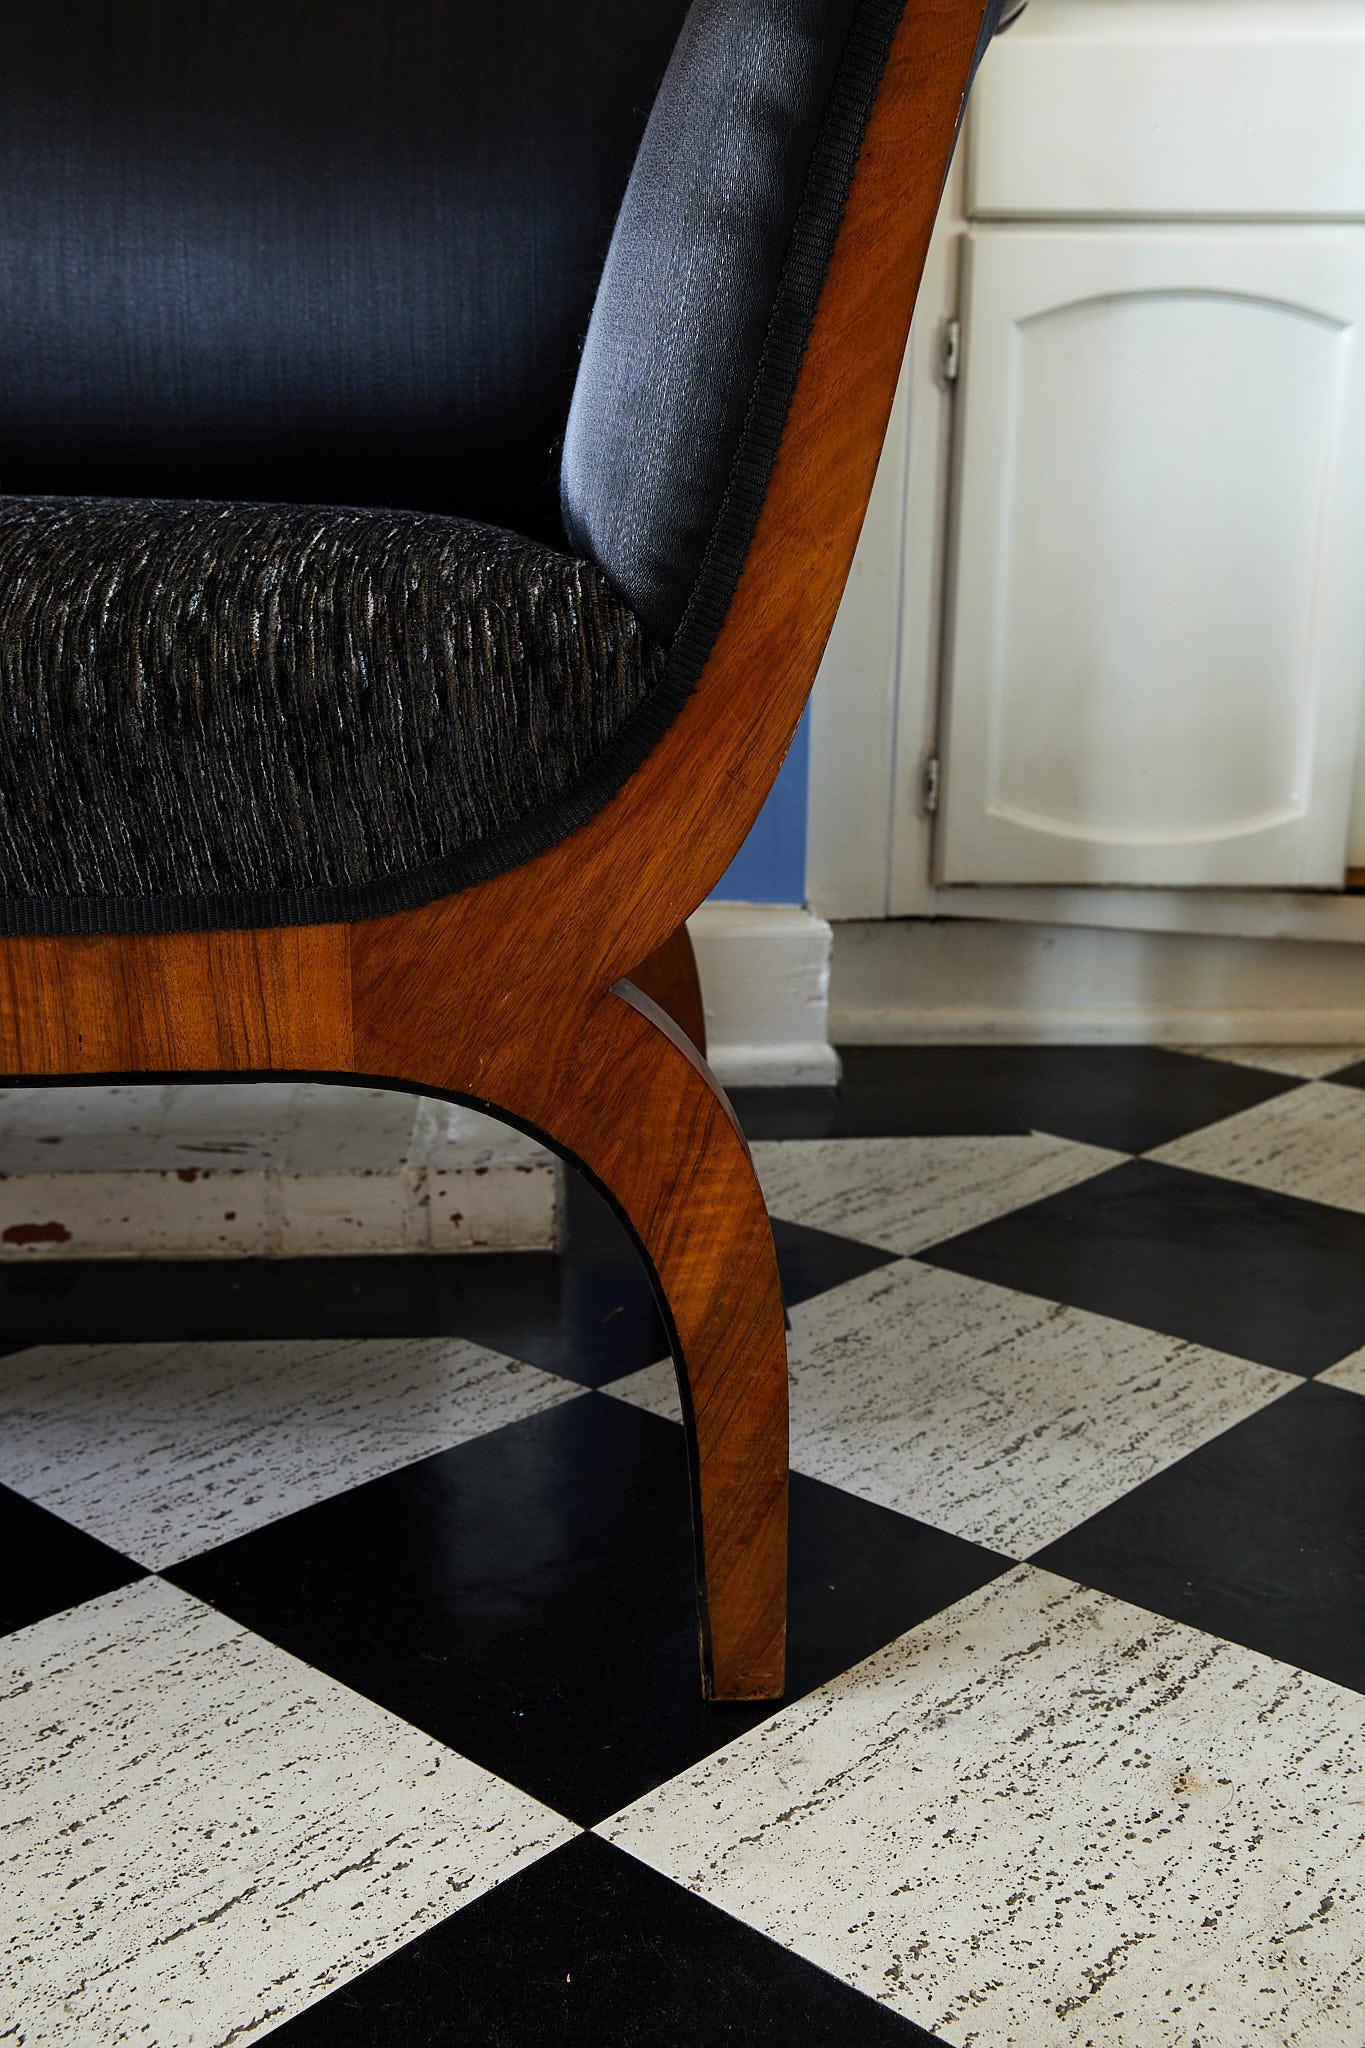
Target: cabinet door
1156,624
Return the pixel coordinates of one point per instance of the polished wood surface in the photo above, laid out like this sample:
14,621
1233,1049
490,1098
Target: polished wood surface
242,1001
512,995
669,978
623,1093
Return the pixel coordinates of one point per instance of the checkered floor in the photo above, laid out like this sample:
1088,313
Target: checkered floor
349,1690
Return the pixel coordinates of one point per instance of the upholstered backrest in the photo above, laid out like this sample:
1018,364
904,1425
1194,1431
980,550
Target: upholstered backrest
330,250
347,253
689,287
709,288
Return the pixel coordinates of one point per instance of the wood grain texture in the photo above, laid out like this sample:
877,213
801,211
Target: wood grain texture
624,1094
511,996
669,978
210,1002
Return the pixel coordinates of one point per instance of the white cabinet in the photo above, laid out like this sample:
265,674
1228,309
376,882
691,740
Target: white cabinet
1156,619
1168,109
1122,677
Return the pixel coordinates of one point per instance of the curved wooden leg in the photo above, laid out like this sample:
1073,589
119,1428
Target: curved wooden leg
621,1091
669,978
649,1122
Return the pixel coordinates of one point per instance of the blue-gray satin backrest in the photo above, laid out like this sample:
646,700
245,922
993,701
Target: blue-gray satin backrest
309,250
674,362
319,251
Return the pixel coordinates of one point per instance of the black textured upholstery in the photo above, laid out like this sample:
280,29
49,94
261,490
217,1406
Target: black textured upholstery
307,250
332,251
263,712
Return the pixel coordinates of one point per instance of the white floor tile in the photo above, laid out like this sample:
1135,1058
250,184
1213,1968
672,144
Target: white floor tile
907,1193
201,1836
164,1450
993,1414
1310,1142
1348,1373
1047,1818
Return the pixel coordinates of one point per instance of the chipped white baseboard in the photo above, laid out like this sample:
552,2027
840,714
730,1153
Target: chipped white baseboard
765,983
261,1170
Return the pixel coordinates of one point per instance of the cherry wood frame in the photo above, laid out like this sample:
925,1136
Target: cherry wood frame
515,996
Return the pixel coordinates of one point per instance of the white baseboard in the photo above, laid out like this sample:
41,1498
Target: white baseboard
765,983
910,981
261,1170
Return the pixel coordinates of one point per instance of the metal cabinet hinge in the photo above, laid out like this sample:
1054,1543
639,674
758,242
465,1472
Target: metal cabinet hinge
930,782
950,351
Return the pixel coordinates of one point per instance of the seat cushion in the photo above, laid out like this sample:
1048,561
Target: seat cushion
242,714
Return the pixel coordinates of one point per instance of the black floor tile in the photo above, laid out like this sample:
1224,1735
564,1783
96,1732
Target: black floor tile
1130,1098
590,1947
1258,1536
590,1314
527,1598
93,1301
1263,1276
812,1262
1349,1077
49,1565
790,1113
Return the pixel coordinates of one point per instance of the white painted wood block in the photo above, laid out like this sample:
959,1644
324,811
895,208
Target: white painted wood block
764,971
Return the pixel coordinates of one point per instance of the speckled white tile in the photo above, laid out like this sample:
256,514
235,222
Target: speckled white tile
906,1193
1046,1819
1310,1142
993,1414
1307,1062
164,1450
1348,1373
201,1836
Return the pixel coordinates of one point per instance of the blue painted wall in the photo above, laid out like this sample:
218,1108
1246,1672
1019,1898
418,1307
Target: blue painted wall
770,867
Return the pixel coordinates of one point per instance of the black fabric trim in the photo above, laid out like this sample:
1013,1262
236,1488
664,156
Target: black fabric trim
824,197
